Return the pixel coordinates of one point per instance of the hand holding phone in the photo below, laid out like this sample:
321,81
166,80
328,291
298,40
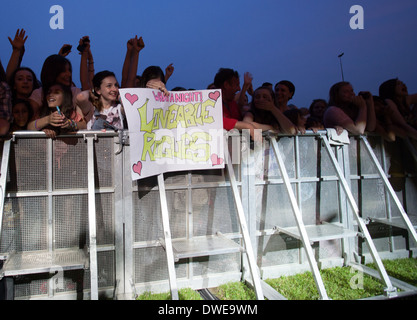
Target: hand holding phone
81,47
66,49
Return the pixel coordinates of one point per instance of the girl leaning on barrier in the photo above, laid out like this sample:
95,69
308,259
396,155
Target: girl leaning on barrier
355,113
57,114
104,99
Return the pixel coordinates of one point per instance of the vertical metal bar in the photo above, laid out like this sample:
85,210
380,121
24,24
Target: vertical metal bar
3,177
299,220
250,167
297,169
119,218
92,219
51,210
128,224
344,207
243,226
361,223
167,237
297,183
190,221
50,182
387,197
404,215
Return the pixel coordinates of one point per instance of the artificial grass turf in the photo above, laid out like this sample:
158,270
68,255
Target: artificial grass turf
341,283
183,294
401,269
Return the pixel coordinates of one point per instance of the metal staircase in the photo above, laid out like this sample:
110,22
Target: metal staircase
210,245
308,234
404,221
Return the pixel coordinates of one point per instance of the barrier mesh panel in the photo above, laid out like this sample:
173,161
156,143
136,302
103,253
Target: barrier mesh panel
28,165
44,214
25,225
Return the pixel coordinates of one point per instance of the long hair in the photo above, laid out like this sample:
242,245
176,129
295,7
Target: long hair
97,80
35,80
150,73
260,115
52,67
313,103
67,106
334,93
387,91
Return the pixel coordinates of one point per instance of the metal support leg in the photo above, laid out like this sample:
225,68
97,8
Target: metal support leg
243,226
92,219
167,238
390,290
299,220
391,191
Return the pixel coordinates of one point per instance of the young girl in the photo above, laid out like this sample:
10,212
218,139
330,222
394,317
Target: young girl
284,92
57,114
355,113
264,114
153,77
395,93
22,114
109,113
56,70
316,111
22,82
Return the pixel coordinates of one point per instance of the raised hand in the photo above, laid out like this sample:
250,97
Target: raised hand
247,78
168,72
18,43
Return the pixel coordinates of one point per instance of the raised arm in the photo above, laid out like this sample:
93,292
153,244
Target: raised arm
168,72
18,46
247,87
370,111
358,126
130,65
86,64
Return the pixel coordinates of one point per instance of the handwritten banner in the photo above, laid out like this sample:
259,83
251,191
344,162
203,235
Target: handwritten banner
181,131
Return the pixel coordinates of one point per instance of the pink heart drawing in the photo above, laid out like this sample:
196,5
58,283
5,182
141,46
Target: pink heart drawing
137,167
131,98
214,95
215,160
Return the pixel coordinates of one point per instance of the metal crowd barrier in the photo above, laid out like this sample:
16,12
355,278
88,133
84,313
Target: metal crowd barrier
47,199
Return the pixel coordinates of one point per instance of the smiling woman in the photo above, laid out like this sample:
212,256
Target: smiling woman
104,100
57,114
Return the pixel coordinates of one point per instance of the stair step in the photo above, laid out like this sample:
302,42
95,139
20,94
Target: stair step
397,221
203,246
32,262
321,232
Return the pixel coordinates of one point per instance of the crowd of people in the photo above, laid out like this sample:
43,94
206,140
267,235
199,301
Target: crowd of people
55,105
